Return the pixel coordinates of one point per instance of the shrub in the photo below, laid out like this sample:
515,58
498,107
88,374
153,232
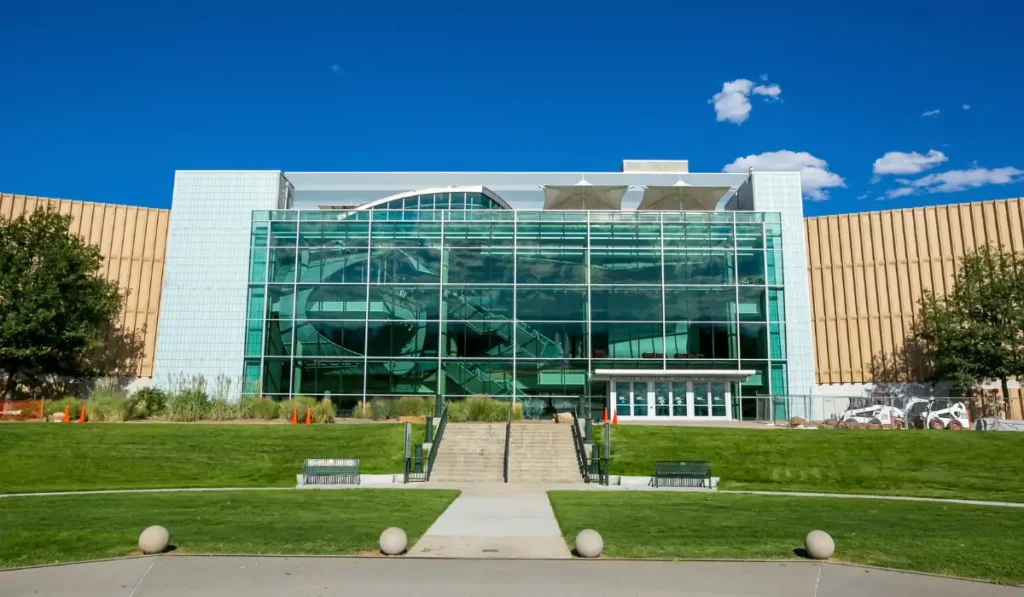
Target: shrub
458,411
188,405
222,409
299,404
106,403
414,406
486,409
262,408
363,410
57,406
383,408
145,403
324,411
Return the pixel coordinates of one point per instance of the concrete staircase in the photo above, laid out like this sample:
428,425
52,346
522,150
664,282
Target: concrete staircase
542,453
470,452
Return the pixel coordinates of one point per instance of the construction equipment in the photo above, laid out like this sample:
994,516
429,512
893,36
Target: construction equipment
923,414
878,414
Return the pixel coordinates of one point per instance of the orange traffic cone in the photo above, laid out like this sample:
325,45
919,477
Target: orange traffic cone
67,415
309,419
604,419
295,417
615,419
81,415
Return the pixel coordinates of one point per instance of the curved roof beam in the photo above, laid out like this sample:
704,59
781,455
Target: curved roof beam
430,191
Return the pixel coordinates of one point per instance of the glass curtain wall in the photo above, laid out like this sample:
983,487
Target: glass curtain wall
397,302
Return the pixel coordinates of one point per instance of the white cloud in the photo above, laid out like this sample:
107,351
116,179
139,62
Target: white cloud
957,180
732,103
900,192
764,77
772,91
934,112
966,106
900,162
862,197
815,177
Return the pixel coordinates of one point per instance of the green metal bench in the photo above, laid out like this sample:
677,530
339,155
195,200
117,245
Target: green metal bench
682,473
330,471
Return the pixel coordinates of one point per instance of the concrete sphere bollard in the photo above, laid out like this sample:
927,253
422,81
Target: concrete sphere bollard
589,543
819,545
154,539
393,541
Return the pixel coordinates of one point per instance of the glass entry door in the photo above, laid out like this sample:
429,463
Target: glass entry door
695,399
639,397
662,405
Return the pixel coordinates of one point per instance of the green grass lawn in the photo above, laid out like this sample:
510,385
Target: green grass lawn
53,457
71,528
963,464
970,541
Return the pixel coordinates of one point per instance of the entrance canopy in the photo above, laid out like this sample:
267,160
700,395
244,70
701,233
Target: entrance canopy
669,374
681,197
584,196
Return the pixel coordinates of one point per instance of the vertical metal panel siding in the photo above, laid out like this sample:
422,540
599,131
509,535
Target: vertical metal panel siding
133,242
868,272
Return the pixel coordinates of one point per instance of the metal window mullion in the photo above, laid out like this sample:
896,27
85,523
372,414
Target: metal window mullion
263,311
664,324
515,306
366,307
442,316
736,292
295,303
767,317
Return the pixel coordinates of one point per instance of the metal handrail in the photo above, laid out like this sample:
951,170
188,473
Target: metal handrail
581,450
508,435
438,434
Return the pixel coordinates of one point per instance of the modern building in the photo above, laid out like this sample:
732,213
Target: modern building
659,292
654,291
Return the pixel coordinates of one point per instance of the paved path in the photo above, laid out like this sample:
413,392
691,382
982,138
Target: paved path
900,498
495,521
172,576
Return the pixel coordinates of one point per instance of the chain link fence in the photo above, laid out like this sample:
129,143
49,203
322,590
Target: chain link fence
904,411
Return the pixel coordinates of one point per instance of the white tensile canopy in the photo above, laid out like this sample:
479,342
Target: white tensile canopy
681,197
584,196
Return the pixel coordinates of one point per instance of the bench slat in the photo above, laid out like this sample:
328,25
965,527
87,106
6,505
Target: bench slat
682,473
330,471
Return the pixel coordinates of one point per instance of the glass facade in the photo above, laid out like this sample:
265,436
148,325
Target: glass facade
469,299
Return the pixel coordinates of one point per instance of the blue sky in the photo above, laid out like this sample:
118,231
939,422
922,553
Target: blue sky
103,101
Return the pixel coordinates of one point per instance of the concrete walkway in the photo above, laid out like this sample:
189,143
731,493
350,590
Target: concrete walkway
171,576
495,521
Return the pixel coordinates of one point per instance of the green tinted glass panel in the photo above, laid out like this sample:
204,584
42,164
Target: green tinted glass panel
777,340
555,377
560,234
280,301
551,266
758,383
277,375
775,277
337,339
750,267
465,377
700,304
257,294
686,340
628,341
477,339
773,236
754,340
752,305
334,234
343,301
749,236
626,234
335,266
253,338
277,338
539,303
550,340
479,234
402,338
406,234
311,377
260,232
283,234
258,265
480,266
408,265
776,305
625,304
401,377
282,265
624,266
699,267
479,302
251,376
778,381
390,301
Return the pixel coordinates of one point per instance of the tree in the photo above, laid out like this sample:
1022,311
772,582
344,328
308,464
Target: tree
55,307
976,332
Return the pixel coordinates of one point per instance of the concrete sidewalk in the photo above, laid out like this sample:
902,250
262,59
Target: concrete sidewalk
172,576
495,521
